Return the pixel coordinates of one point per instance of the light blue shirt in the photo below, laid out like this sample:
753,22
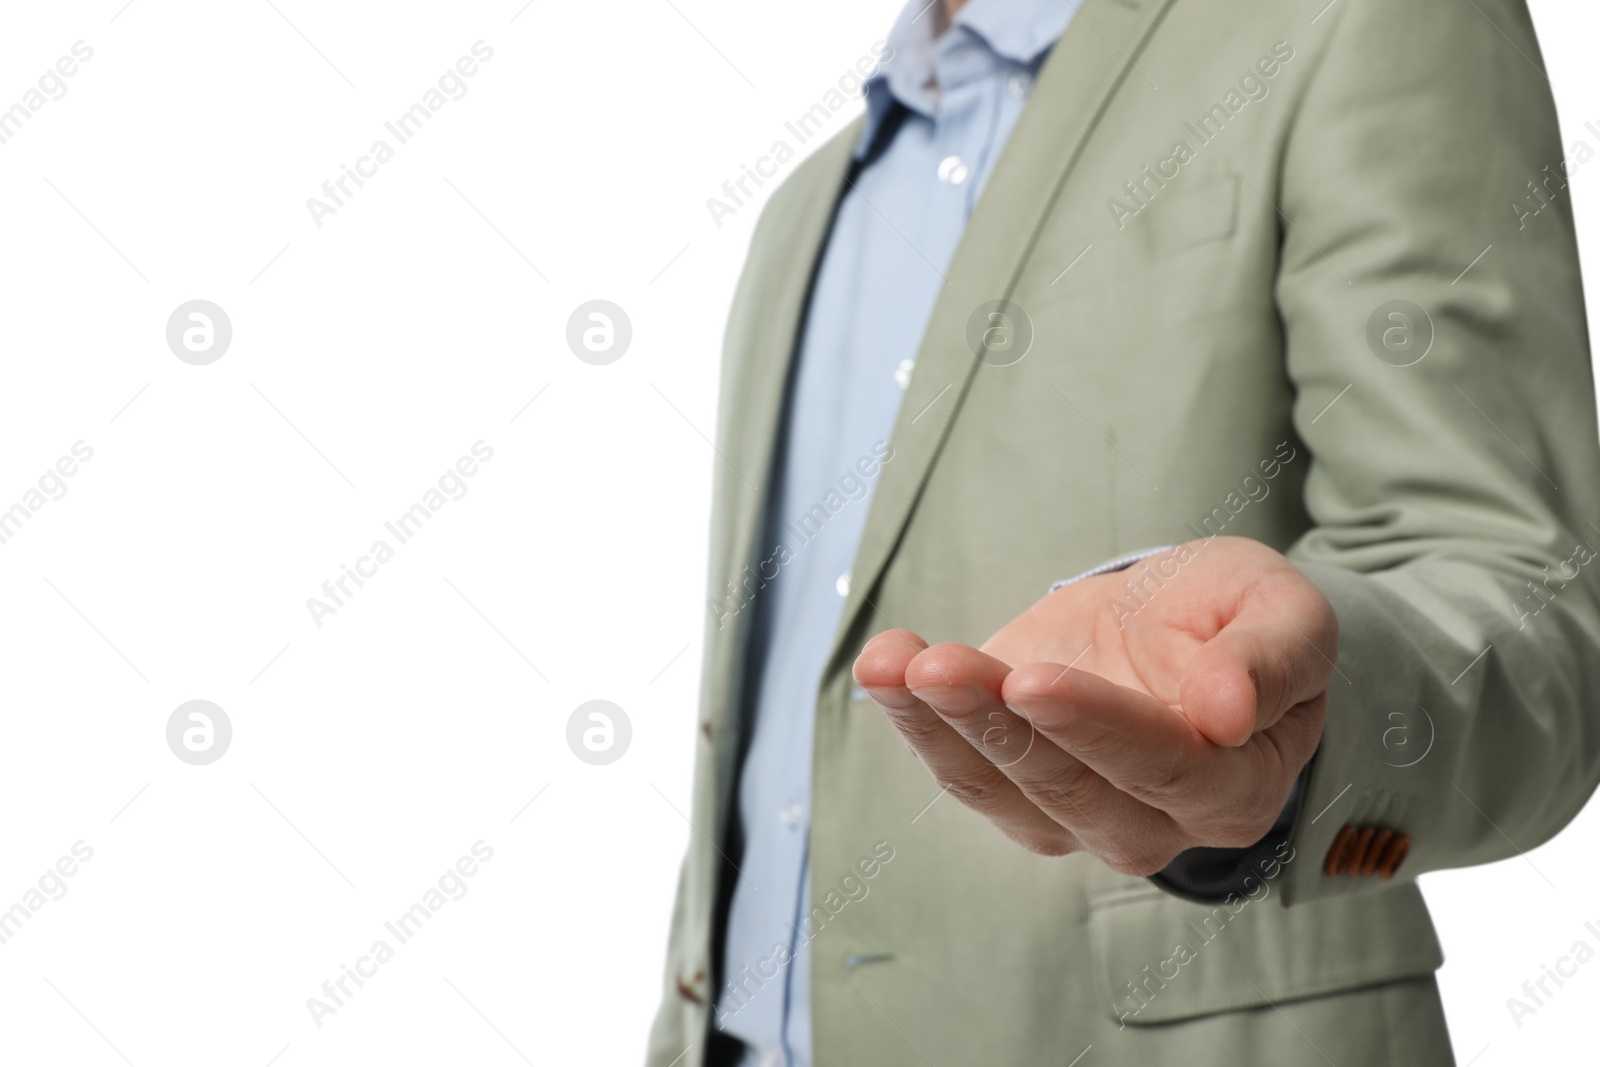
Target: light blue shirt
896,229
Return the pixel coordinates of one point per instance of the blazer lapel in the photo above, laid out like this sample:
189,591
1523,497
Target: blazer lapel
1086,66
754,396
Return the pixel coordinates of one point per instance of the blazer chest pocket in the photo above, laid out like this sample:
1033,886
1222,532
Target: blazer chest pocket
1190,211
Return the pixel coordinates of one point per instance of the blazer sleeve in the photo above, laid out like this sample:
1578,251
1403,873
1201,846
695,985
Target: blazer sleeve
1435,334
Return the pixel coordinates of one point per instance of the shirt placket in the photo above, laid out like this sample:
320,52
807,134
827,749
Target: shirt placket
965,120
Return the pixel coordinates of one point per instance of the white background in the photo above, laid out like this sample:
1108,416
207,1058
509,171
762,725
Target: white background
428,313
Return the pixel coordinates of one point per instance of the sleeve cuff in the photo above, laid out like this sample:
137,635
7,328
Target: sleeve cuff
1215,875
1118,564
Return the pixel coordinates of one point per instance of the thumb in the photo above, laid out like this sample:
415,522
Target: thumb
1261,664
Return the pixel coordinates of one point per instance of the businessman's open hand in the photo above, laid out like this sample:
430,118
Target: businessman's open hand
1128,726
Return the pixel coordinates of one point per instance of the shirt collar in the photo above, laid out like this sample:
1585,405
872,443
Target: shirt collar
1019,31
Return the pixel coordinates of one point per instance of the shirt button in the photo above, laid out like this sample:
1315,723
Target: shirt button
902,373
792,814
842,586
1018,85
952,170
772,1057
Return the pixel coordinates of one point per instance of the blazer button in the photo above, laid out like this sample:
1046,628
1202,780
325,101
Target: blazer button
1380,842
1365,851
686,989
1358,851
1394,856
1334,864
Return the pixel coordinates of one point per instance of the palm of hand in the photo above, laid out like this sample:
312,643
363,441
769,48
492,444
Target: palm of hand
1130,724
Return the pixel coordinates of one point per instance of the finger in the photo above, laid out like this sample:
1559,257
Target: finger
963,685
1129,738
1295,736
1224,797
954,764
883,660
1275,654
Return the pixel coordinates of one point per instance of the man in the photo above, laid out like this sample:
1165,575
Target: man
1266,314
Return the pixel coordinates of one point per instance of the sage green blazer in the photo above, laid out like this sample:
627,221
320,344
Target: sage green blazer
1238,231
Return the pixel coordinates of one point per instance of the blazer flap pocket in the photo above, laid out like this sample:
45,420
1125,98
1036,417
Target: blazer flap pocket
1159,959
